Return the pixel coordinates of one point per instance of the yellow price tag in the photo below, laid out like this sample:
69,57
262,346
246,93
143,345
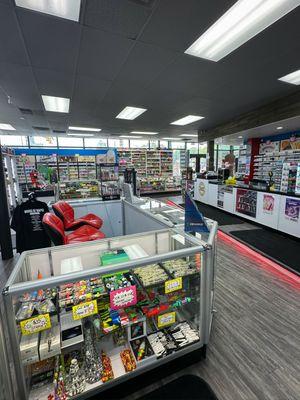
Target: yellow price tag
166,319
173,285
35,324
86,309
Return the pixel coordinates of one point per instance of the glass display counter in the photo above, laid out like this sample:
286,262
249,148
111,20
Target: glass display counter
82,318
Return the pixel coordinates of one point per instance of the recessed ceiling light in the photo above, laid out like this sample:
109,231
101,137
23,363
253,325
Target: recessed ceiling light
187,120
56,104
145,133
79,128
244,20
131,112
68,9
240,137
80,134
171,138
188,135
279,127
7,127
292,78
130,137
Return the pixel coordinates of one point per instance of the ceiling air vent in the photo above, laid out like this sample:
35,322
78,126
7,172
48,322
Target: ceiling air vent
57,131
41,128
26,111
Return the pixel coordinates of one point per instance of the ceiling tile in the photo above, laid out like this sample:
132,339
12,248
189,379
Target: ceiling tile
11,46
88,93
18,82
102,54
118,16
54,83
52,42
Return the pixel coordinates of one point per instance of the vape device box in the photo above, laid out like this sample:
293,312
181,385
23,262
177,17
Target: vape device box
70,330
50,343
29,346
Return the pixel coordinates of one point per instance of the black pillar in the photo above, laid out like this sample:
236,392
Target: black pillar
211,155
5,237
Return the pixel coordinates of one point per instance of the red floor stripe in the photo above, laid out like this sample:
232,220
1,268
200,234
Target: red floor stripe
264,262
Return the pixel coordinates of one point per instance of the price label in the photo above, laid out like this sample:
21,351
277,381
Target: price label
85,309
173,285
35,324
124,297
166,319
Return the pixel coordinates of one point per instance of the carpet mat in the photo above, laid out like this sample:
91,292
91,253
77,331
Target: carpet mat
185,387
220,216
274,245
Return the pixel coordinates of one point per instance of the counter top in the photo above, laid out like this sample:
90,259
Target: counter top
215,182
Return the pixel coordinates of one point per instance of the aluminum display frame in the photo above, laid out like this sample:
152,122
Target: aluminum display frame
206,287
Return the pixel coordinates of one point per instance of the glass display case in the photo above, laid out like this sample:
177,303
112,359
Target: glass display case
87,316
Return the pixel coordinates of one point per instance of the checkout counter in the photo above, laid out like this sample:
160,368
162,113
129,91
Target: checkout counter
272,209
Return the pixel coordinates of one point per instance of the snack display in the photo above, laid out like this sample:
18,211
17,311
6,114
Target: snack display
183,334
85,290
151,275
128,360
107,373
180,267
141,348
118,281
161,343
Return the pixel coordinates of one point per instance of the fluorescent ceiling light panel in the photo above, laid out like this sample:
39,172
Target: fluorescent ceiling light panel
7,127
79,128
145,133
56,104
130,137
293,78
171,138
187,120
80,134
244,20
279,127
68,9
188,135
131,112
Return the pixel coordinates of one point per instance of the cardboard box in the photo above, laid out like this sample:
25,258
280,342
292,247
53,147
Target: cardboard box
50,343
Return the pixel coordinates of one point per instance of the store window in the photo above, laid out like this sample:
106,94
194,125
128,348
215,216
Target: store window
95,142
122,143
45,141
70,142
153,144
164,144
203,148
139,144
178,145
13,140
192,147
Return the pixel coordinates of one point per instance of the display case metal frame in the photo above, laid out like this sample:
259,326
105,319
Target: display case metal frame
22,272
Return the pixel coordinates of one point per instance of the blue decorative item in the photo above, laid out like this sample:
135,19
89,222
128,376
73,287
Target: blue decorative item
194,221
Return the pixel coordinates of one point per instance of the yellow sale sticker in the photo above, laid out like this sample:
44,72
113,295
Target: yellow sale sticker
166,319
86,309
173,285
35,324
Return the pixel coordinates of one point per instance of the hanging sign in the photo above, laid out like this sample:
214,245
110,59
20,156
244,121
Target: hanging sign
166,319
124,297
35,324
173,285
85,309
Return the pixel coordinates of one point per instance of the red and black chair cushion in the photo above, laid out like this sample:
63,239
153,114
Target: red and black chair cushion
66,213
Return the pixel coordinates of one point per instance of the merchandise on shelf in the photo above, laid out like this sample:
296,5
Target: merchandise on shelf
78,189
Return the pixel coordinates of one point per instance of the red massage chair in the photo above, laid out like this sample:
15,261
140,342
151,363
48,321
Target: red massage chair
66,213
54,228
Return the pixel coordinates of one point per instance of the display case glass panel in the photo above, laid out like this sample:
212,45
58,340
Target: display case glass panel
88,314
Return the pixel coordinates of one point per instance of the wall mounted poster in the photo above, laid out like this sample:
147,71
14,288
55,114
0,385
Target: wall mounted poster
292,209
268,204
246,202
220,198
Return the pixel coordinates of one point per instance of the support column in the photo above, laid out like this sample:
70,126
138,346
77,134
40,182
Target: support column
5,237
211,155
